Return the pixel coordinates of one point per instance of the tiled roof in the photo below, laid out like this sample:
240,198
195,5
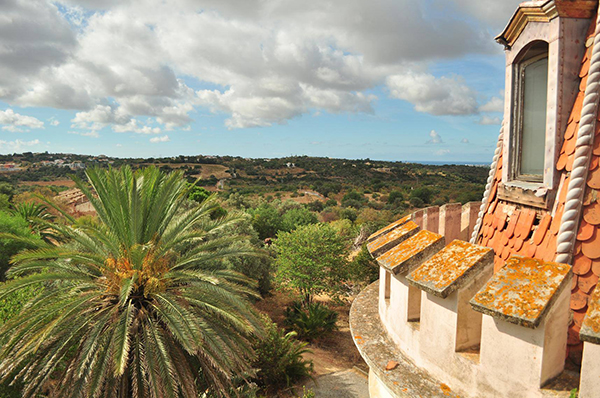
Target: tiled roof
511,228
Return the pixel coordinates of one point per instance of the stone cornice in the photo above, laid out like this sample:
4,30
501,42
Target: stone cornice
544,11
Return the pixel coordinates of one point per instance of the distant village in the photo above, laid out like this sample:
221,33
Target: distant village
63,161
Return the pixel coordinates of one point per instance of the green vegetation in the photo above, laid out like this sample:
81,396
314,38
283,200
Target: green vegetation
310,321
311,260
15,235
279,359
128,301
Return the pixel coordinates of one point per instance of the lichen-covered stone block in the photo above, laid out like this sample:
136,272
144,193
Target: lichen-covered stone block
412,252
388,228
522,291
450,268
388,240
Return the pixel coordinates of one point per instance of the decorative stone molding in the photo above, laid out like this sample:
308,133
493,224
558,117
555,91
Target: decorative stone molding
583,151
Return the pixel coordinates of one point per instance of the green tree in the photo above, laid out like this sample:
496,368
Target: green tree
266,221
128,308
294,218
311,259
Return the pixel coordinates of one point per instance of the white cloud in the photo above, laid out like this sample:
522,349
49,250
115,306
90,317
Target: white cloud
438,96
53,122
488,120
15,122
164,138
260,62
93,133
17,145
495,104
442,152
435,138
464,141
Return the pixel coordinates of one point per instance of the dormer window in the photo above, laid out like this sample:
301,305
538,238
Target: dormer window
529,128
542,81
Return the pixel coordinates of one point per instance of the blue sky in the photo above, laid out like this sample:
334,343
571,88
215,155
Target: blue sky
389,80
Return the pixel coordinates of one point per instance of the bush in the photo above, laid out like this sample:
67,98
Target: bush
395,197
353,199
417,202
310,321
15,225
279,360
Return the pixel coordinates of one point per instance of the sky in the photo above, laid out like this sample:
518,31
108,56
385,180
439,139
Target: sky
401,80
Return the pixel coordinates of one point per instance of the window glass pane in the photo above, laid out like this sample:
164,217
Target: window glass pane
535,87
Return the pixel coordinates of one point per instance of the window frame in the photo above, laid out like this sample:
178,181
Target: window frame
518,115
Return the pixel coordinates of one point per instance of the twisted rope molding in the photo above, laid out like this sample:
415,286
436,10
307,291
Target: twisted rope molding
585,140
488,186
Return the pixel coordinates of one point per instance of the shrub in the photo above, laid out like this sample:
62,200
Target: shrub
310,321
363,268
17,226
279,360
394,197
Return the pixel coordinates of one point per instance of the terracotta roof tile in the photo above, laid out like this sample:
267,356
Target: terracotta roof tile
576,110
591,247
594,162
571,130
585,68
504,239
510,229
540,232
596,267
578,300
583,83
577,248
596,147
574,281
591,213
581,264
532,250
585,231
594,179
587,282
590,196
570,160
525,223
561,163
556,220
578,317
518,244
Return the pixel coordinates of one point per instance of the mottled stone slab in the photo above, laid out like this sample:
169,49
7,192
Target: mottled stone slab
388,228
412,252
522,291
394,237
452,267
590,330
405,379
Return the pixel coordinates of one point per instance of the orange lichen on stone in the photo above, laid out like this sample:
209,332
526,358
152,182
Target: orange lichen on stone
590,329
408,249
396,235
521,292
442,273
388,228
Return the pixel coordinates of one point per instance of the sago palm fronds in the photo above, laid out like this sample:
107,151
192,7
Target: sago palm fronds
128,309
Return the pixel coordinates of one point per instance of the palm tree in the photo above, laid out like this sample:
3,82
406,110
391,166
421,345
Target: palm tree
128,308
39,218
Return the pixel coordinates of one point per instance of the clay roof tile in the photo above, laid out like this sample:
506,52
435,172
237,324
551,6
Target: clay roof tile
578,300
541,229
591,213
585,231
596,267
581,265
591,247
587,282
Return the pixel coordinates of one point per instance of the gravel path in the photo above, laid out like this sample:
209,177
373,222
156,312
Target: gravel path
348,383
